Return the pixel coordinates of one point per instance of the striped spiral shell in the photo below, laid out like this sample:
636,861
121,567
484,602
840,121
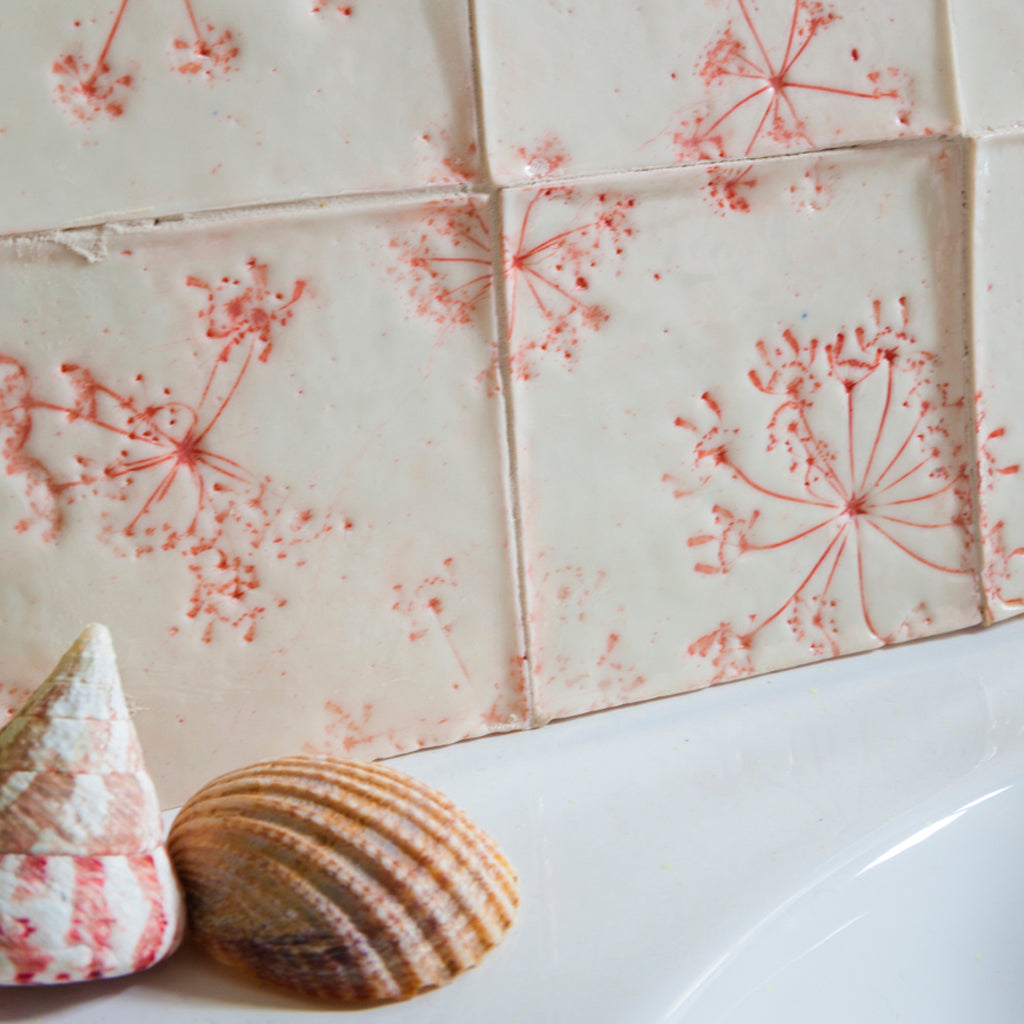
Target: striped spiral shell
341,879
86,886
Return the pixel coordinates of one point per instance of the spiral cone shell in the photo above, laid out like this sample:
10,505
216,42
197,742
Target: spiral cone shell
86,886
342,879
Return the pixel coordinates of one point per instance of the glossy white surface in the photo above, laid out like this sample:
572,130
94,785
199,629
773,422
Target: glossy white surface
662,847
922,923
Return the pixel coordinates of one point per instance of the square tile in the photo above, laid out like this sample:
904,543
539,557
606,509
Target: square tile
578,88
241,446
999,367
131,109
989,41
741,425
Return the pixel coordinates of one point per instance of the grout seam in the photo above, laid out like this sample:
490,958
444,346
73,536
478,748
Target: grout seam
954,78
220,215
503,346
969,167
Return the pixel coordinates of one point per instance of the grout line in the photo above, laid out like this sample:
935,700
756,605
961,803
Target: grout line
503,345
610,173
479,114
955,79
425,193
219,215
969,169
504,350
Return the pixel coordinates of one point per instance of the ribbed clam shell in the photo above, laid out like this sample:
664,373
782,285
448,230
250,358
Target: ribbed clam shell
342,879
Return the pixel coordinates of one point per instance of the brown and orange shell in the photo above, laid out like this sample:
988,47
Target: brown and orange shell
341,879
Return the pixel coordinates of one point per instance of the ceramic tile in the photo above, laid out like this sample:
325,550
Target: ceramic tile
136,108
989,42
741,425
602,86
999,367
241,447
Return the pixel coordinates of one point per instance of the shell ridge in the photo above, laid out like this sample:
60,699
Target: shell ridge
391,932
446,822
364,894
429,894
362,972
321,873
454,832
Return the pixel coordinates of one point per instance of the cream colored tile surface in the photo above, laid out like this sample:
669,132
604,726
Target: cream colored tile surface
999,367
747,446
141,108
989,37
239,447
606,85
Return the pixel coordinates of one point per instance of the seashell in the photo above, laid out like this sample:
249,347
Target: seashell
86,886
341,879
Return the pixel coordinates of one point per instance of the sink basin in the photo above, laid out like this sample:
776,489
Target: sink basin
924,922
835,843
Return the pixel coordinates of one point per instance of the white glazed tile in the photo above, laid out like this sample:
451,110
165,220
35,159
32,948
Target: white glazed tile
741,428
239,446
209,103
989,42
999,367
603,85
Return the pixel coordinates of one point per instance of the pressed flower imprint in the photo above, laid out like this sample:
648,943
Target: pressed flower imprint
757,94
87,90
1003,564
876,479
147,460
336,6
447,264
567,601
425,608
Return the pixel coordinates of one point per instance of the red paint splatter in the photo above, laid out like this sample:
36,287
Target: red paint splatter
908,485
88,90
761,92
151,465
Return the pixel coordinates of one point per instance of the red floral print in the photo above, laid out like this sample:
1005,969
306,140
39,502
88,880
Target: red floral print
150,465
87,90
903,481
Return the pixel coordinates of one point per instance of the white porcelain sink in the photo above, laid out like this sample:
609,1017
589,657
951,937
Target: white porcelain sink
923,922
836,843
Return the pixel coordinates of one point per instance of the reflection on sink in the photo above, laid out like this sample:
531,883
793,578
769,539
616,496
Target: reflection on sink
922,923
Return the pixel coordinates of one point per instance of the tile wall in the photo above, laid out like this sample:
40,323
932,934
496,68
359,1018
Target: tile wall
390,373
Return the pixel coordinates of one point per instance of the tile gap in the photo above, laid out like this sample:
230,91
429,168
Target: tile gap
504,358
872,144
503,344
969,170
216,215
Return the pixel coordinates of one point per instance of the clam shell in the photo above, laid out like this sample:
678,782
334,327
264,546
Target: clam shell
341,879
86,887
